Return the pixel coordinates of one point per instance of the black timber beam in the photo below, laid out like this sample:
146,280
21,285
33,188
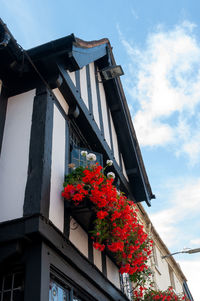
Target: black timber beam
37,271
128,143
37,193
51,49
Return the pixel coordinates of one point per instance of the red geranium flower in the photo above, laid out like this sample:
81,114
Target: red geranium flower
101,214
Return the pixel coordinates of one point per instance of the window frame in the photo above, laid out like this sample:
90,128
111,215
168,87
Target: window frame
75,292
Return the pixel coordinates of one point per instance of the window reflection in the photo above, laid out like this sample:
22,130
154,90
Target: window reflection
126,286
57,292
79,160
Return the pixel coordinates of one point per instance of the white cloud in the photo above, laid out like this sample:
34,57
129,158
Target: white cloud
166,81
195,241
164,85
182,211
191,269
184,203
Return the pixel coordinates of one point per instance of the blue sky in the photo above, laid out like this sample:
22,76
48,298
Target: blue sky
158,45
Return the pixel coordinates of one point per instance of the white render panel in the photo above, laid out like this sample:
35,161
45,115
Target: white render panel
97,258
94,93
112,272
15,155
123,168
104,111
56,211
73,77
83,85
115,141
78,237
61,100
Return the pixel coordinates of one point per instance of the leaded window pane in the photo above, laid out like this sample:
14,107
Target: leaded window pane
12,287
79,160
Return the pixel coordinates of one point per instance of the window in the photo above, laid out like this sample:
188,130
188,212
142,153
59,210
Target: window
61,289
79,160
171,275
12,287
58,292
155,257
76,137
126,285
78,144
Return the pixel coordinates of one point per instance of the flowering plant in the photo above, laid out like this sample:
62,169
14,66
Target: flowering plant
116,226
158,295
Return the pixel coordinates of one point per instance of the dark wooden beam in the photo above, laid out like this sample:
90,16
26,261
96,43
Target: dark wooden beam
37,193
128,143
37,274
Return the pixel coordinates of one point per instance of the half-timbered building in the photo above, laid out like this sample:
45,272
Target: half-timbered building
55,100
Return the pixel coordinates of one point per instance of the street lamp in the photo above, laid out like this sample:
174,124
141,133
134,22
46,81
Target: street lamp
111,72
189,251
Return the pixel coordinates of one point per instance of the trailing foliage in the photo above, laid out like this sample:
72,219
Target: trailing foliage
116,226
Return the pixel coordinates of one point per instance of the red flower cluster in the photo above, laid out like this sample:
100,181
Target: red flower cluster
101,214
151,295
98,246
117,225
75,192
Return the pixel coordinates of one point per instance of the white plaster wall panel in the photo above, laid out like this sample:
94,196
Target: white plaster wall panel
83,85
94,94
104,111
56,211
123,168
78,237
61,100
112,272
97,258
162,276
73,77
15,155
115,141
